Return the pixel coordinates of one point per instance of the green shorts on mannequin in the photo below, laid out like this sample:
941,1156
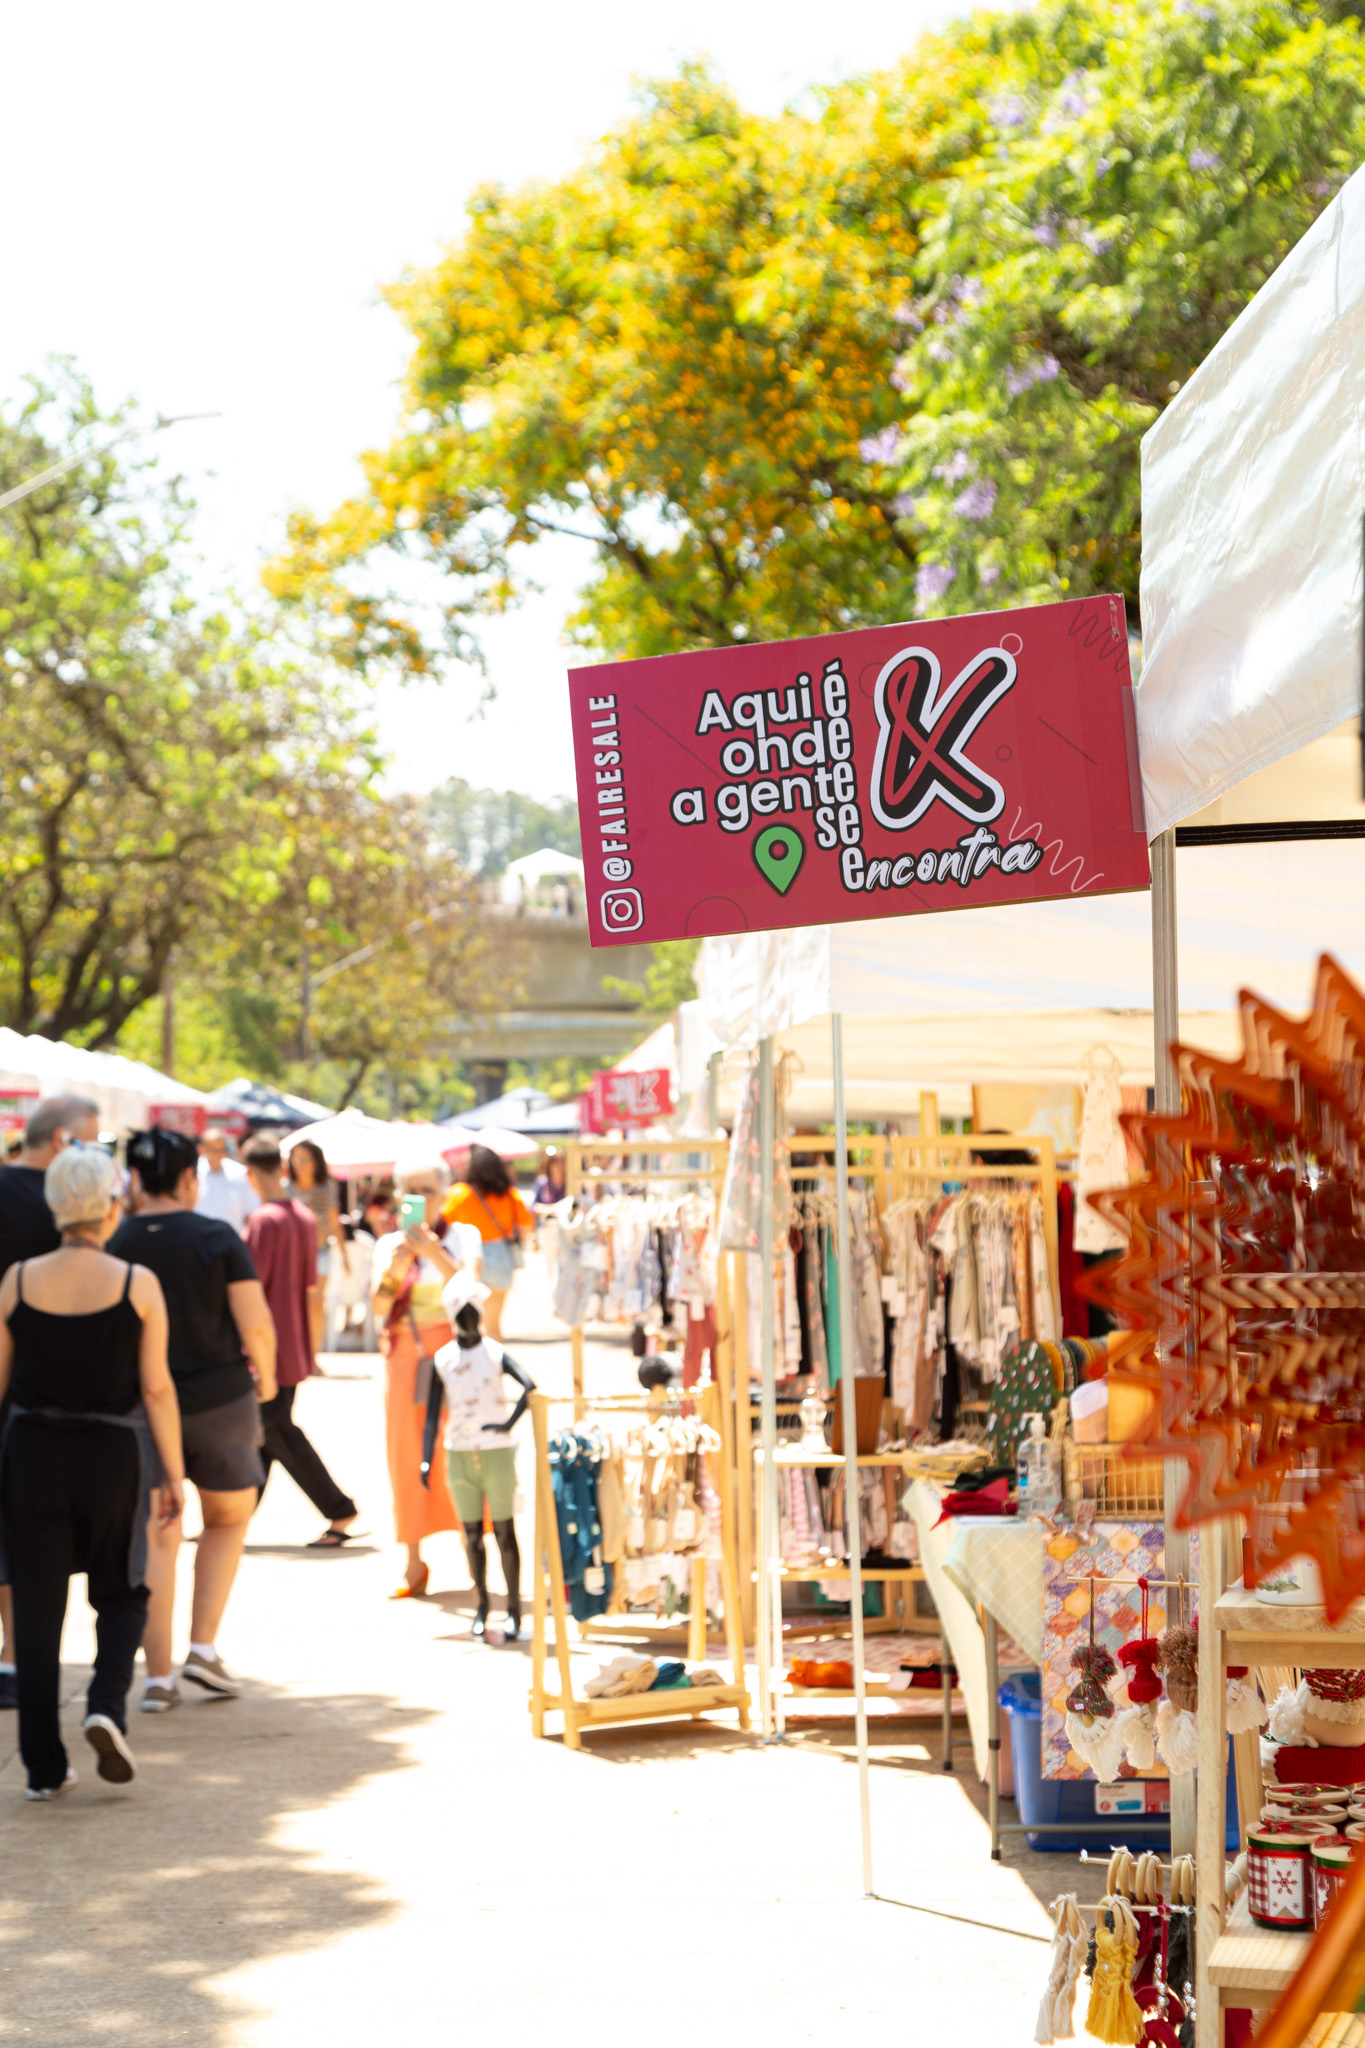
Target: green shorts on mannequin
479,1475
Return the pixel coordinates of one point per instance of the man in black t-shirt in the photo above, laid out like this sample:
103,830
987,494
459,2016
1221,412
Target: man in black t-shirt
26,1232
220,1330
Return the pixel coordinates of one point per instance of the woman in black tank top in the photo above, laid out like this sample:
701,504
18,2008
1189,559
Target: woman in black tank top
83,1358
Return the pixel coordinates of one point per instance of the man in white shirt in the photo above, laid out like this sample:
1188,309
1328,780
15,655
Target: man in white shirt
225,1190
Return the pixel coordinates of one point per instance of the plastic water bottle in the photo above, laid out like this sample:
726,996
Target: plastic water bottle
1039,1491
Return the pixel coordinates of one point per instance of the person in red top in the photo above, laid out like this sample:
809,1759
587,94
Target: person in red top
282,1239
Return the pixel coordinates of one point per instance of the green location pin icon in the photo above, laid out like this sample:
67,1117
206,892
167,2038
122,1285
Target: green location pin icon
778,854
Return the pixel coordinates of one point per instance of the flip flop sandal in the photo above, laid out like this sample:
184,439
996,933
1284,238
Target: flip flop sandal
333,1539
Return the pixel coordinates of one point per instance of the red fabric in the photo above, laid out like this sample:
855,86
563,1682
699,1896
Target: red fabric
1070,1266
1321,1766
283,1241
991,1500
699,1344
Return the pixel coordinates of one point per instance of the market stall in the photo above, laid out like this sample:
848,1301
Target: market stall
125,1091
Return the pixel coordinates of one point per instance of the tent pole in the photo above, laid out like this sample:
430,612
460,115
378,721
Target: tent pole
769,1584
1166,1029
852,1503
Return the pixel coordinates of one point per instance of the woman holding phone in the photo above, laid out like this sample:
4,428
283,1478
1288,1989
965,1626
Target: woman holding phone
487,1199
411,1266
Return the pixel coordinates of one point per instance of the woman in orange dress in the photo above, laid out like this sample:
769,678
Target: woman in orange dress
487,1199
411,1266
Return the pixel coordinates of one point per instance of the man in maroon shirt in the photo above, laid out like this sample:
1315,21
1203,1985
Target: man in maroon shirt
282,1239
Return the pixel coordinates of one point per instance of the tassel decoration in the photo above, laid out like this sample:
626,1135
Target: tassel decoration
1091,1727
1177,1726
1138,1720
1113,2013
1246,1708
1056,2013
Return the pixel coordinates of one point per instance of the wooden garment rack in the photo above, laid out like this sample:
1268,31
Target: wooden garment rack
640,1162
943,1159
548,1601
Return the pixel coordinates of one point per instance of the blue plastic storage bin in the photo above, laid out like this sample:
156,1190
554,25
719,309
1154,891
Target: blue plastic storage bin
1045,1801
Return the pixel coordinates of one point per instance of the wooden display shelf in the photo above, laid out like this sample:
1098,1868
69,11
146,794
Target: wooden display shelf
874,1574
1254,1960
831,1460
680,1701
1257,1633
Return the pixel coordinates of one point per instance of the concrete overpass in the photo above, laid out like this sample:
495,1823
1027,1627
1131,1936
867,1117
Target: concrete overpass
563,1012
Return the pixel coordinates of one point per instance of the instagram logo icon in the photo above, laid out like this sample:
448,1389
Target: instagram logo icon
623,910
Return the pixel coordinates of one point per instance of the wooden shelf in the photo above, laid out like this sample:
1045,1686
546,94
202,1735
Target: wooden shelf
875,1689
910,1574
1259,1633
641,1706
832,1460
1254,1959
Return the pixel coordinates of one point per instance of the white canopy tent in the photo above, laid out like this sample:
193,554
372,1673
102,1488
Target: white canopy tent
1253,487
124,1090
1022,994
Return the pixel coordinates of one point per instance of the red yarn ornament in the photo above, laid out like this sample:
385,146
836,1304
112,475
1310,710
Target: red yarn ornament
1138,1659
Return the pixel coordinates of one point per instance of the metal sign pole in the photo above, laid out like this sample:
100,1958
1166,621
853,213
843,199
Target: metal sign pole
1166,1029
852,1502
769,1583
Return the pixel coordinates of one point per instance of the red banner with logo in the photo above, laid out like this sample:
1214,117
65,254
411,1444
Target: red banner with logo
189,1118
616,1101
16,1107
877,773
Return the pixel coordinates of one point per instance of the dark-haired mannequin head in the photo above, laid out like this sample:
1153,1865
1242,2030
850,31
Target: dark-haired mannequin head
468,1328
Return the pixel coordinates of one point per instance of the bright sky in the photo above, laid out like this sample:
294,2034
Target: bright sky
212,196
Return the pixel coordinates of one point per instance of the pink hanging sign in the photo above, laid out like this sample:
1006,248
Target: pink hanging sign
878,773
616,1100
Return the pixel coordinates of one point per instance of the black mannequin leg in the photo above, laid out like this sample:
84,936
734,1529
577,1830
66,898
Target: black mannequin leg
506,1533
477,1554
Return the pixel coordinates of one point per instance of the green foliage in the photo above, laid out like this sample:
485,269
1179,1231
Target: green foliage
487,828
797,373
668,981
1124,178
195,792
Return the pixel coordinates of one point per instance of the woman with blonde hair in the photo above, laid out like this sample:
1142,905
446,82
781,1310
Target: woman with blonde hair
411,1266
83,1355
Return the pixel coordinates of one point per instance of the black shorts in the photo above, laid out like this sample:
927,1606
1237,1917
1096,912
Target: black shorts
223,1446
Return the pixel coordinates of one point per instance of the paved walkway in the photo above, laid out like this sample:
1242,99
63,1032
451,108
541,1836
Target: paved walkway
369,1848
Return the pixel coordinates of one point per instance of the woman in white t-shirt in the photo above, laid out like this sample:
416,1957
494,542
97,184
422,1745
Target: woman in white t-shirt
410,1268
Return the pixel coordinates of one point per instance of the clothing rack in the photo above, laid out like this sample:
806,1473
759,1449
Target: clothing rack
548,1601
587,1163
944,1158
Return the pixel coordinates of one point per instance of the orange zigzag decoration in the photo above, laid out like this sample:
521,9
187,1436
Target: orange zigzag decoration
1242,1290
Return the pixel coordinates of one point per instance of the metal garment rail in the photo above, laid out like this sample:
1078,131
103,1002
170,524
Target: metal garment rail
853,1514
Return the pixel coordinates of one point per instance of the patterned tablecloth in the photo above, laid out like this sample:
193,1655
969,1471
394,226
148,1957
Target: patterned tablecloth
999,1563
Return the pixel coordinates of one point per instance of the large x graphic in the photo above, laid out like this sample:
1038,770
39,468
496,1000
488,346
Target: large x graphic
923,730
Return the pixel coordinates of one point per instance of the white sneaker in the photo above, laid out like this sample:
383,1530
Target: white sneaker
159,1699
211,1673
52,1791
106,1738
